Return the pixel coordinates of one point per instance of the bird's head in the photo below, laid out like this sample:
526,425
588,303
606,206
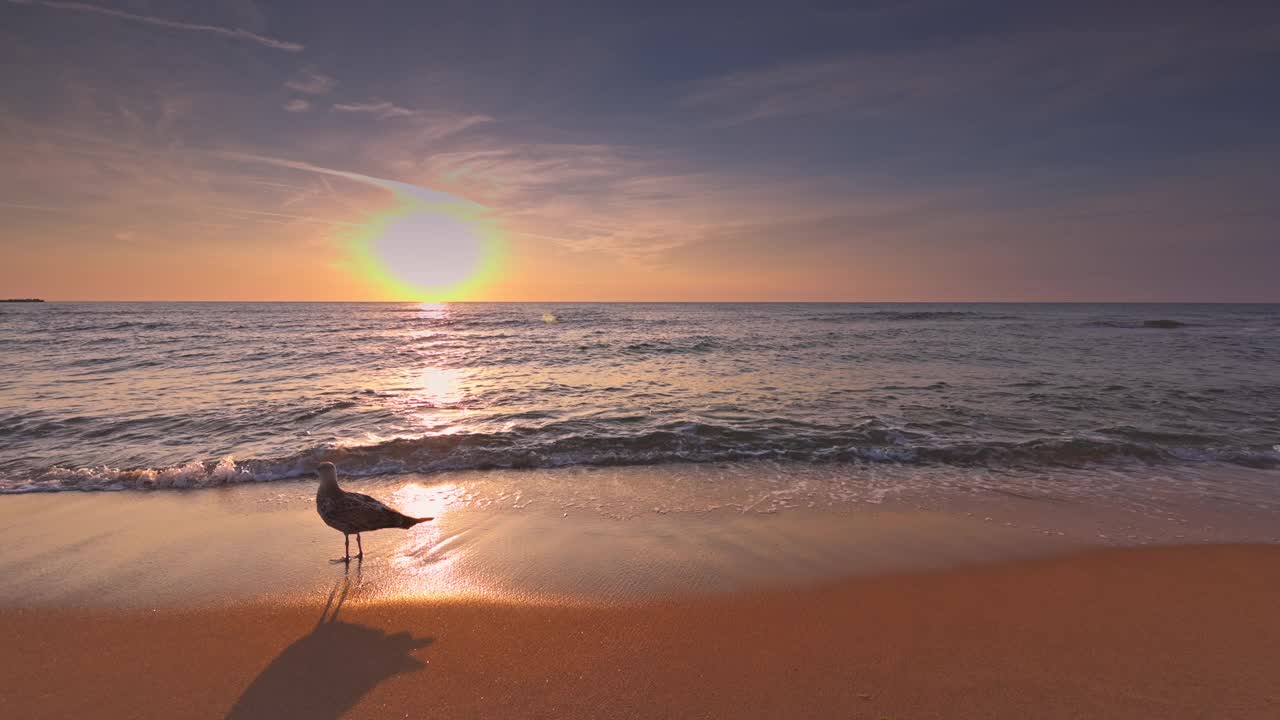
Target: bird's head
327,473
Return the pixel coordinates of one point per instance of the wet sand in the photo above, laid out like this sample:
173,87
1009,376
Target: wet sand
1184,632
264,543
612,536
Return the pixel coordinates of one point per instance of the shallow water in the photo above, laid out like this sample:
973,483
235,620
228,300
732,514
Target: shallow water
255,543
1108,399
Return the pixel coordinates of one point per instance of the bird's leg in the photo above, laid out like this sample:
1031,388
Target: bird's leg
360,546
346,553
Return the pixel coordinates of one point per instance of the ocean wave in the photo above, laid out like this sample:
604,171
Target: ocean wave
1163,437
123,325
317,412
906,316
692,442
1157,324
674,345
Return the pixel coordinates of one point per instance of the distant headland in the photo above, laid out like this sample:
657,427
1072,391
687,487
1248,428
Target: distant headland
21,300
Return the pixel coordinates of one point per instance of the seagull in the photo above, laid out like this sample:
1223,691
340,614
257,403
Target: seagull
349,512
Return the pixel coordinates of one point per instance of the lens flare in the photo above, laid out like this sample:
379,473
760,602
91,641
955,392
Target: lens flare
428,246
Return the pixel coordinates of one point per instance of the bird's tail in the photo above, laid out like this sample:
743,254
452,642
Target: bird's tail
407,522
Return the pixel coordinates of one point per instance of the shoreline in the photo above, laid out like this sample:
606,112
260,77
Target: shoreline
1176,632
624,536
167,551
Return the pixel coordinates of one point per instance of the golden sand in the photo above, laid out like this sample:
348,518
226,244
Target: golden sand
1185,632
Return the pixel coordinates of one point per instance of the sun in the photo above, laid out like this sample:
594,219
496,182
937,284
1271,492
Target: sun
428,245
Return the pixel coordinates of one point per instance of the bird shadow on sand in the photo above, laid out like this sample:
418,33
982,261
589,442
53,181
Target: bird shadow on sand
325,673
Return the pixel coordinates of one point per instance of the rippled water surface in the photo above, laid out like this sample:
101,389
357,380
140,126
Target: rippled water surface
123,396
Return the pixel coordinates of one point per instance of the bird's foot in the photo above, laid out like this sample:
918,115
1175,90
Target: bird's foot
341,560
359,556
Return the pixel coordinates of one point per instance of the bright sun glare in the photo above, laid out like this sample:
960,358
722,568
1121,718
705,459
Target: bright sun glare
428,245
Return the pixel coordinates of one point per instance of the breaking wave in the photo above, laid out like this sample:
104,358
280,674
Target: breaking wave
677,443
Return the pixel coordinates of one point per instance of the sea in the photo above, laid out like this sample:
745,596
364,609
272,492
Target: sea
1067,401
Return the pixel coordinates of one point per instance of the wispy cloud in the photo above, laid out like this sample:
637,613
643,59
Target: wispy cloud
312,83
435,127
511,169
233,33
288,216
394,186
425,126
40,208
1053,69
381,109
297,105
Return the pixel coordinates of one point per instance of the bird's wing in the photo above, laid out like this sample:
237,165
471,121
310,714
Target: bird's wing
368,512
364,502
326,504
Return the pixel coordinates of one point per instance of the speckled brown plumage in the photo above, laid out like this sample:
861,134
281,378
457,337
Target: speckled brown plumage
353,513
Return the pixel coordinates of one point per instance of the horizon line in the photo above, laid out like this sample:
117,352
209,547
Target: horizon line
37,301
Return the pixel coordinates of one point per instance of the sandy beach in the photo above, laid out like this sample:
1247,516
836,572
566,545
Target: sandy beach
222,603
1186,632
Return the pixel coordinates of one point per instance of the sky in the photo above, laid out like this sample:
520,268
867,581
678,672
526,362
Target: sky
582,151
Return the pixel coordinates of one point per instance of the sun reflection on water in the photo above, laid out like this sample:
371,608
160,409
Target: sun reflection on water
436,388
435,501
427,564
433,311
